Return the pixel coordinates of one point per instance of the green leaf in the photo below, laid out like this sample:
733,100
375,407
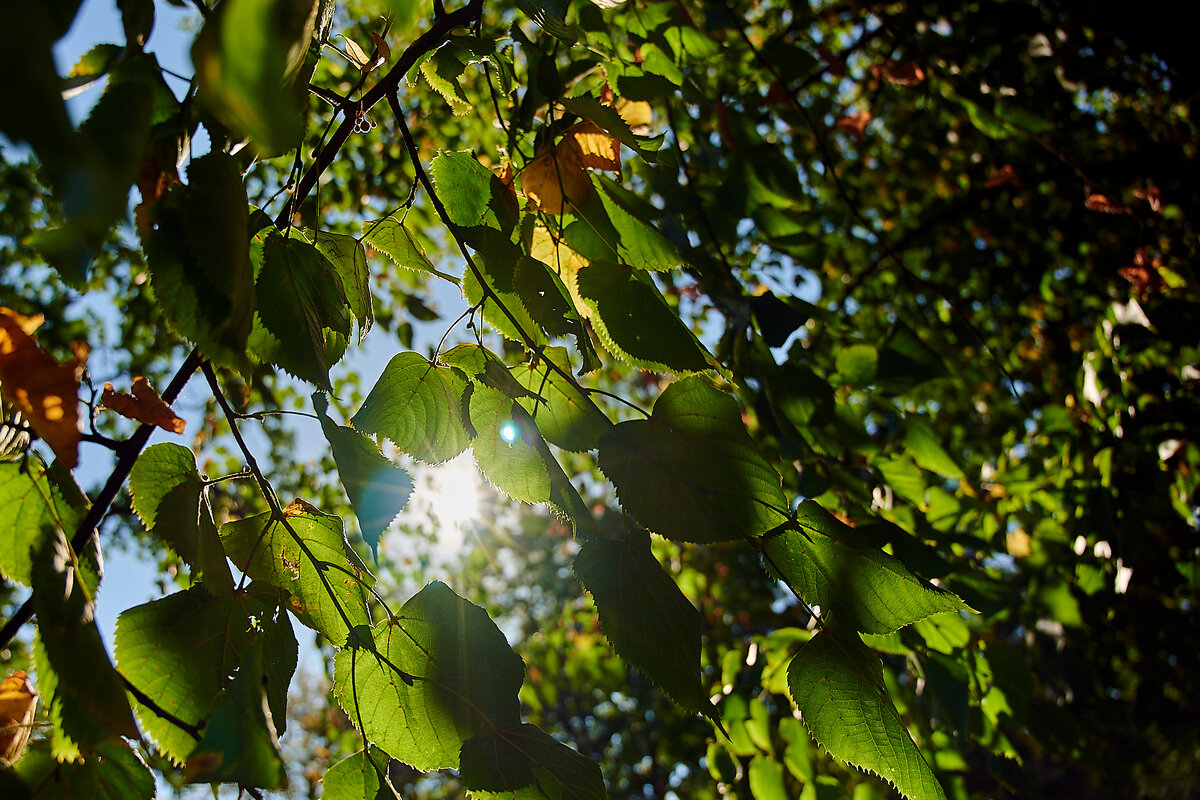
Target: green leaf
829,564
199,260
635,323
442,71
905,360
522,762
67,630
361,776
180,651
472,195
349,258
485,367
922,444
766,779
645,616
507,446
248,60
525,327
114,771
640,245
565,416
377,488
309,558
690,472
239,744
168,496
837,683
945,632
390,237
549,15
32,507
419,406
856,364
306,299
436,675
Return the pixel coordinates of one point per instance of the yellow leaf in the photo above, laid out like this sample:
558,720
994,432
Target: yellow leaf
18,703
44,391
636,113
555,178
564,261
597,149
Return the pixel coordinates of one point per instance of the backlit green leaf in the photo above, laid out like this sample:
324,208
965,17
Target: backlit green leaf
828,564
32,507
837,683
239,744
565,416
645,616
306,300
67,630
180,651
635,323
168,496
201,273
114,771
309,558
377,488
522,762
419,406
690,472
436,675
640,245
472,195
349,258
390,237
248,60
361,776
507,446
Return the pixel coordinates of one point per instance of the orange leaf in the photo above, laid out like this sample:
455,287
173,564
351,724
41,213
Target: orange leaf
18,702
854,124
44,391
1104,204
144,405
906,73
555,178
836,64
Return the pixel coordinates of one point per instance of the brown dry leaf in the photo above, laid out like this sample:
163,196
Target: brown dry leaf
900,73
596,147
44,391
1005,176
1153,196
777,95
1144,274
1104,204
854,124
144,405
555,178
298,508
837,64
18,704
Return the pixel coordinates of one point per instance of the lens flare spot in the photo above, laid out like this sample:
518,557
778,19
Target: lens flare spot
509,432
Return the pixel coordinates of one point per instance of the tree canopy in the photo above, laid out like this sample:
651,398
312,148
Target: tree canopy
835,367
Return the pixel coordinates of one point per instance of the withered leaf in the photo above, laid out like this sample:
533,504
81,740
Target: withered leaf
144,405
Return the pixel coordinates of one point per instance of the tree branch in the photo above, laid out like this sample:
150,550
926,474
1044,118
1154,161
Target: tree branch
443,24
129,452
